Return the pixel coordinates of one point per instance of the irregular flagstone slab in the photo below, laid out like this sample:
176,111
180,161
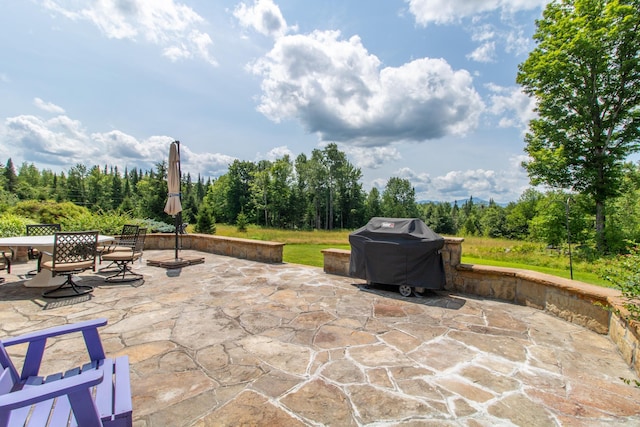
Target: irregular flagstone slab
507,347
335,336
286,357
521,411
378,355
402,341
376,405
464,389
443,354
257,322
320,403
213,358
153,393
275,383
141,321
141,352
311,320
490,379
219,329
388,310
343,372
249,409
186,411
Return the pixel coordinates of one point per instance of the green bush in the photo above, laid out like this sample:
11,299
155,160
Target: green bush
622,271
48,212
13,225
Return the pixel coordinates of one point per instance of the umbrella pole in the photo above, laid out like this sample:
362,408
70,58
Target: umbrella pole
179,215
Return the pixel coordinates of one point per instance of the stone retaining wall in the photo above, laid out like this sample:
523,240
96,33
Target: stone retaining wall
594,307
254,250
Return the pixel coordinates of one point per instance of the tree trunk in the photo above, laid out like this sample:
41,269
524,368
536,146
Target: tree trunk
601,242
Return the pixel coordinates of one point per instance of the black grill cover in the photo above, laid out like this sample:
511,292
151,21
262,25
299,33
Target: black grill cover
397,251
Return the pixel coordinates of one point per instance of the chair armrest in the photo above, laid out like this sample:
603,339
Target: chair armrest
30,395
38,339
55,331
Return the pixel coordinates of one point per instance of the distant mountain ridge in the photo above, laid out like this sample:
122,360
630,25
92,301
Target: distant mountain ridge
461,202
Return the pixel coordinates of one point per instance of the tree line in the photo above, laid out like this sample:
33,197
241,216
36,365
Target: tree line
324,191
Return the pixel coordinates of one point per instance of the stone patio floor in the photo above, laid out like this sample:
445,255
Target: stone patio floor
239,343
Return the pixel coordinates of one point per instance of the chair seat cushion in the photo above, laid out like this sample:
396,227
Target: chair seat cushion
122,255
67,266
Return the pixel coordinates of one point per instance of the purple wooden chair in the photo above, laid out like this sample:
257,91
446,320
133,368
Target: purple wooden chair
96,394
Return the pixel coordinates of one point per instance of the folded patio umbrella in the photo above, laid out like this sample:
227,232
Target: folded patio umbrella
173,206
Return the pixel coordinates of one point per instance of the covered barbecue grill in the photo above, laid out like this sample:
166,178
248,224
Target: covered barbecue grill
397,251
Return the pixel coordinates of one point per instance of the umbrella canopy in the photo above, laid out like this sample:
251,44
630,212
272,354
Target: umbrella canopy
173,206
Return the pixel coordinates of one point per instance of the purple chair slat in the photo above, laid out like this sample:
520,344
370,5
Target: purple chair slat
122,406
6,362
94,344
61,412
104,390
6,381
33,358
84,408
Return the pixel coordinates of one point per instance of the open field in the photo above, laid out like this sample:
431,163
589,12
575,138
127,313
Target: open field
303,247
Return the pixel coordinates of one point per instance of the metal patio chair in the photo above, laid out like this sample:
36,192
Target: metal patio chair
73,253
124,258
123,242
5,262
39,230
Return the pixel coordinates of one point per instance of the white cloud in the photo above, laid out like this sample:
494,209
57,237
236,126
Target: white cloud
62,142
372,157
505,33
48,106
486,52
449,11
278,153
501,186
264,17
336,89
514,107
165,23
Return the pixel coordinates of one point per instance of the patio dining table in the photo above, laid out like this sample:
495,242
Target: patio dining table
43,278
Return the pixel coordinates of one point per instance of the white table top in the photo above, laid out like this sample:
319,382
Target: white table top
39,240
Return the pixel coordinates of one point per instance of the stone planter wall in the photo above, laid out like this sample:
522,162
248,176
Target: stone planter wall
254,250
594,307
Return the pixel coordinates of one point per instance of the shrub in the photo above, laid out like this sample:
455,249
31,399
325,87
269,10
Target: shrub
624,274
13,225
48,212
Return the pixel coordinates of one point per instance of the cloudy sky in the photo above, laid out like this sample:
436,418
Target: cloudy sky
418,89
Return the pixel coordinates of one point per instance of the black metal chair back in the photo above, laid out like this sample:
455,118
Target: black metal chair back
128,236
139,245
75,247
42,229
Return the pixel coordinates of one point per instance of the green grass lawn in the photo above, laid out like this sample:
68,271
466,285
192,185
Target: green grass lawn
583,276
304,247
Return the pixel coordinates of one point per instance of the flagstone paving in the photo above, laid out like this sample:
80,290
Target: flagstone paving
235,342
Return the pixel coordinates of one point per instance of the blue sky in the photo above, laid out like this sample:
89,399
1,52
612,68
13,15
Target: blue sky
418,89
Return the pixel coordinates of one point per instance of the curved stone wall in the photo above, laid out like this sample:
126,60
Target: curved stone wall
597,308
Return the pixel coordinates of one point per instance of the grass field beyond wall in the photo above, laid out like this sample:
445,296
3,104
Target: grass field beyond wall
304,247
